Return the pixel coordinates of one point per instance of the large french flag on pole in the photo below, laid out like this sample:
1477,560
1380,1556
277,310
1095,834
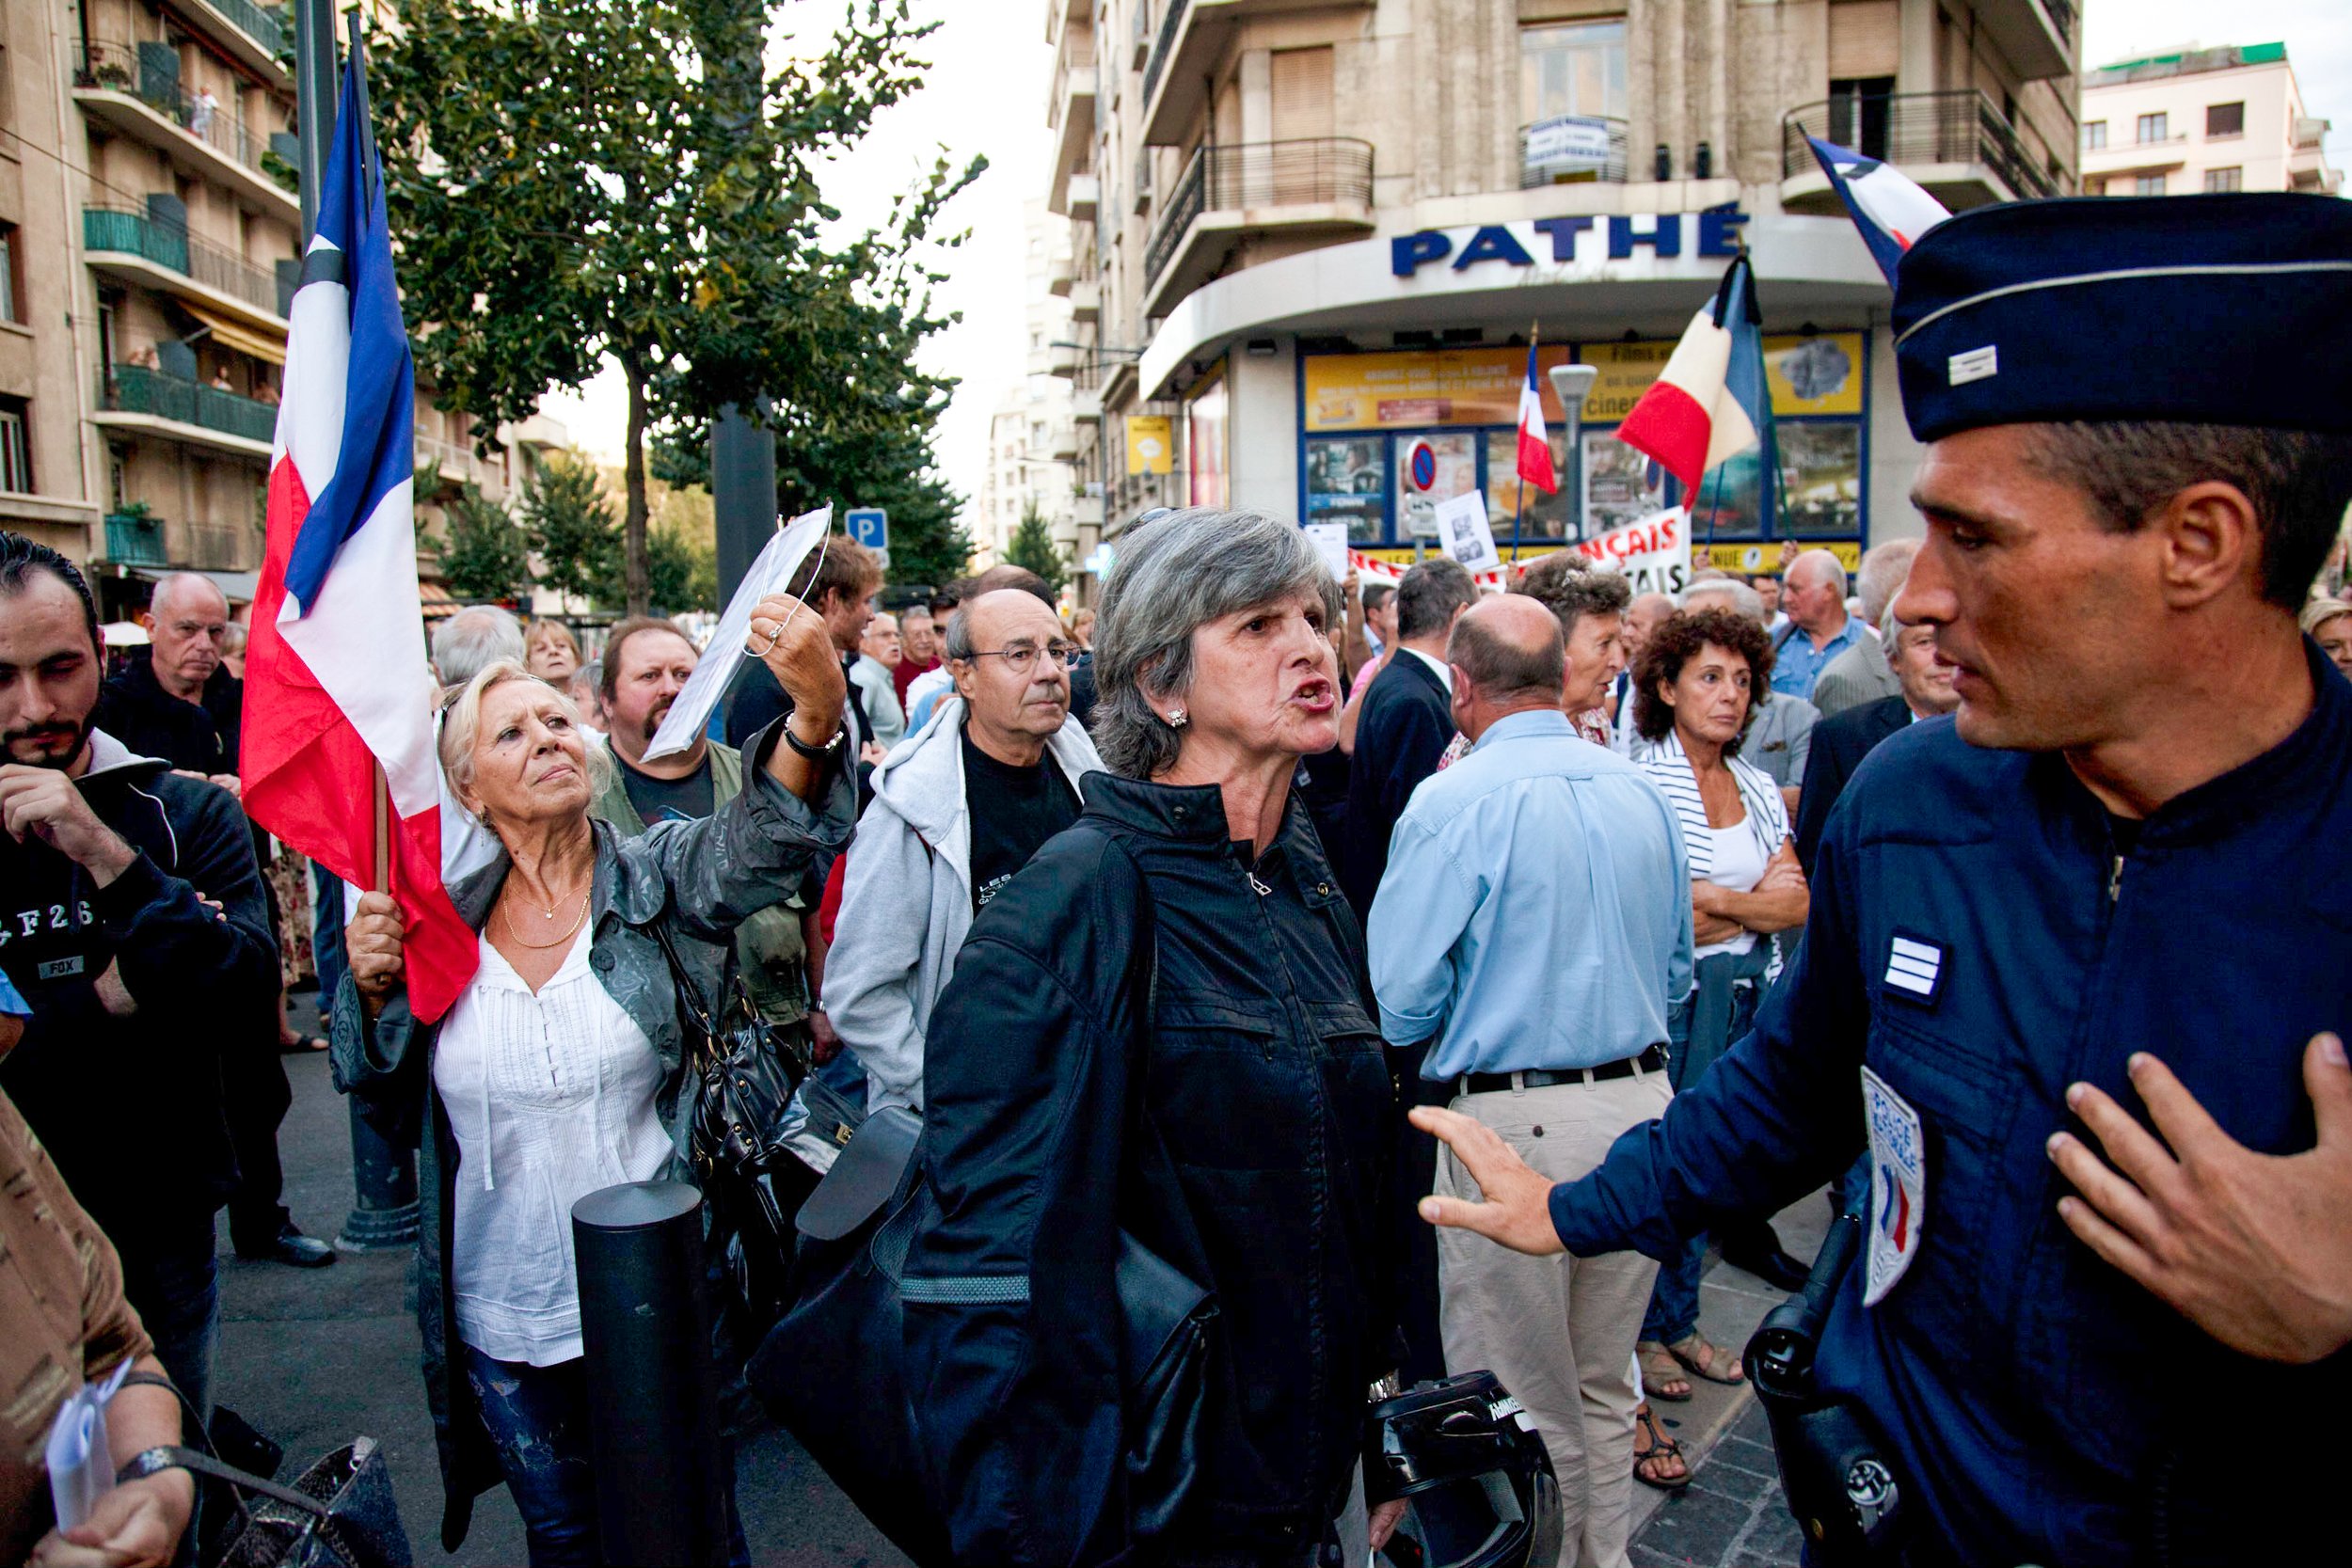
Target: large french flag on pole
1890,209
336,683
1535,443
1710,402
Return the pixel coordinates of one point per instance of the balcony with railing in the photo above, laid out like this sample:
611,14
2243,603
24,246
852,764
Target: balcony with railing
1572,149
112,231
1958,145
1321,186
1070,113
254,34
138,91
1187,48
186,410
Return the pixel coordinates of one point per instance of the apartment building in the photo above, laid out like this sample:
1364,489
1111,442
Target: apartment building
1311,239
149,230
1032,439
2192,119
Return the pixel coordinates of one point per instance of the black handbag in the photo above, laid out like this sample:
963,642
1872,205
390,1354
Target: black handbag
744,1078
832,1374
339,1513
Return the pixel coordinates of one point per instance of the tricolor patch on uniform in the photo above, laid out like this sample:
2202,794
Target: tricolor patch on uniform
1898,1186
1916,967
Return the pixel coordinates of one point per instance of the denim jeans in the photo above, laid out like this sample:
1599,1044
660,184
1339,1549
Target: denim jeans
538,1418
1674,1301
170,1275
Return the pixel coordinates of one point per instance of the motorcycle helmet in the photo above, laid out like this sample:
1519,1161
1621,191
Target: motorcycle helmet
1477,1477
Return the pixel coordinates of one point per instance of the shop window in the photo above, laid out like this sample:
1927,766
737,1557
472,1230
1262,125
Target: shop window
1621,485
2155,127
2225,119
2230,179
1821,479
1449,468
2096,134
1546,517
16,448
1347,482
1575,69
1205,467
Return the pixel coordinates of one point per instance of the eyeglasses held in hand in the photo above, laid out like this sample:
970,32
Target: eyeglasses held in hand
1022,654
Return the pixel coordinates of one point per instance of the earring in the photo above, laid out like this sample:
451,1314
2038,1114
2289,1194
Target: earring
1178,719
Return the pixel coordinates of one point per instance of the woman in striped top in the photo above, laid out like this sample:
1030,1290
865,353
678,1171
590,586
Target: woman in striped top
1701,678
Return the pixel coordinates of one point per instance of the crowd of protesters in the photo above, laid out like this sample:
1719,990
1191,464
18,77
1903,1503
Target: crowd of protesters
1533,853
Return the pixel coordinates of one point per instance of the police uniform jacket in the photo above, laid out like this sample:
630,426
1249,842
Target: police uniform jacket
2046,1408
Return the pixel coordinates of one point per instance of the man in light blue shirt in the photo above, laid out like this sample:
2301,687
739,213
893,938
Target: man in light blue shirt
1820,626
1536,918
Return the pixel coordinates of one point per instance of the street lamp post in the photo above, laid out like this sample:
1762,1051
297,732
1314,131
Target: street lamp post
1574,384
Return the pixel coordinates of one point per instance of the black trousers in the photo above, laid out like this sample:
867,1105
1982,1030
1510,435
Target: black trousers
1414,1240
255,1097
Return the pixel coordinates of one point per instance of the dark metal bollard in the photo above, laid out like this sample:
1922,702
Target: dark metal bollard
653,1401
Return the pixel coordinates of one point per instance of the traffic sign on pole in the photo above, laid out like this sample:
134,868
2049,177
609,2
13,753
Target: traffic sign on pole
869,526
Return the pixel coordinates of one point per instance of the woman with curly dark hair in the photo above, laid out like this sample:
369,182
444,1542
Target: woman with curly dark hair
1693,698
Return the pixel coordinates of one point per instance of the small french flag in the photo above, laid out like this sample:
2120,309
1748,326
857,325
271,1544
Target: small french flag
1890,209
1710,402
1535,442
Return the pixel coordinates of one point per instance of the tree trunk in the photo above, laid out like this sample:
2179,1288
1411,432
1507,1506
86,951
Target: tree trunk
636,574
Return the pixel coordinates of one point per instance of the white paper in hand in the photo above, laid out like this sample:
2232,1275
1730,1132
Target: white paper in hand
80,1457
1463,533
769,574
1331,542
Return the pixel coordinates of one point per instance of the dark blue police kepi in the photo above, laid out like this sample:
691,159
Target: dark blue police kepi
2207,309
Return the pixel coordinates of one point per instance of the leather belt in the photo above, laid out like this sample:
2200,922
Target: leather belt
1651,1060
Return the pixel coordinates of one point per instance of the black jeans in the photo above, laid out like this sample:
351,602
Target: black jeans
170,1275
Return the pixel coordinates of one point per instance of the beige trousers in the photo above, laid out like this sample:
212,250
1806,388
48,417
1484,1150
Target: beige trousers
1558,1331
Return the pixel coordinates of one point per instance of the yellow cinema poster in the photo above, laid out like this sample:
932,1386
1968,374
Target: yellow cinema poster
1149,445
1416,390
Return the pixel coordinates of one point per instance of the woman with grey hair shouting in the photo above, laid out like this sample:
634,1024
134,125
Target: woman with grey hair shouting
1162,1026
559,1070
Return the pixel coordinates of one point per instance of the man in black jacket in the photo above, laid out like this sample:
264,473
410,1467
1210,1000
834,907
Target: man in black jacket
1406,723
132,904
1840,742
179,703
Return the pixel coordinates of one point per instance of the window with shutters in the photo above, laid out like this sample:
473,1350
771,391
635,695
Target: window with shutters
1302,93
16,451
2148,184
1575,68
2230,179
1864,37
2155,127
2096,134
2225,119
12,286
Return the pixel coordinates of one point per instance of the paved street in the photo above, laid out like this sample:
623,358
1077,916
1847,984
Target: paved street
311,1358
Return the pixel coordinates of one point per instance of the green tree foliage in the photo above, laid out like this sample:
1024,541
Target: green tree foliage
485,555
1032,546
577,181
572,529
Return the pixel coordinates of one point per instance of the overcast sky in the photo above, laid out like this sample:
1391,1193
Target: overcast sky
986,94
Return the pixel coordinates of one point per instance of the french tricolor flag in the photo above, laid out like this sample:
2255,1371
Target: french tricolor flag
336,680
1710,402
1890,209
1535,443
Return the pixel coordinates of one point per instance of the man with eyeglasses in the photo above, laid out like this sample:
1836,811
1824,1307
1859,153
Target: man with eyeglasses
958,808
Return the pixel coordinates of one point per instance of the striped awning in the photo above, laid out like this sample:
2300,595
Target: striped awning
244,339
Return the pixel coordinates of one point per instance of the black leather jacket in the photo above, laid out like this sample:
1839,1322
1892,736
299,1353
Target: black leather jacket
1264,1077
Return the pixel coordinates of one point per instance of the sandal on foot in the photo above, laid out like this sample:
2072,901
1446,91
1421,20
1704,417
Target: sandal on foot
300,1044
1661,1447
1700,1359
1658,1369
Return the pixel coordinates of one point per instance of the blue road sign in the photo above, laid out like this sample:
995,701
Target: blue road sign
869,526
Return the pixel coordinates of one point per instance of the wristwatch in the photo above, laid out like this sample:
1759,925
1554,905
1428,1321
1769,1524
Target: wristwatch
825,752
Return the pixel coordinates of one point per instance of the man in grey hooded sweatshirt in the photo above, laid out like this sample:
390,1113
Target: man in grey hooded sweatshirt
960,805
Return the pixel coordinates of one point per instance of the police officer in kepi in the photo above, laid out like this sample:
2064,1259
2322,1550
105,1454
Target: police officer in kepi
2080,956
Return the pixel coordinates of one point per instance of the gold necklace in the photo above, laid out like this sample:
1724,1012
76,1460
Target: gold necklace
541,946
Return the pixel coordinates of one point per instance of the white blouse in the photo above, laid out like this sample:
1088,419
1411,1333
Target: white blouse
551,1097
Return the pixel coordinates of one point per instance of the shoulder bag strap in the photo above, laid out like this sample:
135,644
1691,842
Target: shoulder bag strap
690,995
171,1457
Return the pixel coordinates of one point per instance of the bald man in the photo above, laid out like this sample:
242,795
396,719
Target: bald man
1644,615
174,699
1542,976
1813,594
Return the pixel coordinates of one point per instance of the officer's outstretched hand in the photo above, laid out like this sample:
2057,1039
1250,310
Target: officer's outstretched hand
2255,1249
1518,1207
